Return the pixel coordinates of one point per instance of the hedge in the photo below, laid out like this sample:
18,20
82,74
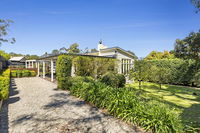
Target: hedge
169,71
22,73
93,66
63,70
4,84
124,103
84,66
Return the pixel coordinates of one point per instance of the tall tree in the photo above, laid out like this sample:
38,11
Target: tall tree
74,48
94,50
189,47
196,4
4,24
159,55
55,51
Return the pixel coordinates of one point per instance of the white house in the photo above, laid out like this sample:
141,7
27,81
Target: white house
125,59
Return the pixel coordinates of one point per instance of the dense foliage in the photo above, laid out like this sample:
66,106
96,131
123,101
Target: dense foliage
174,71
160,55
4,24
4,84
189,47
22,73
63,70
124,103
4,54
114,79
93,66
196,4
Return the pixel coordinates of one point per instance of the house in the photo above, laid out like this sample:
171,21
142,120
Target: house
125,59
17,61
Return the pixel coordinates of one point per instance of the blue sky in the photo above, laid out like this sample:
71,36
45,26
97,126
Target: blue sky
137,25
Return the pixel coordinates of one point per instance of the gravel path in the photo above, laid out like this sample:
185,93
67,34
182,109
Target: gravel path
35,106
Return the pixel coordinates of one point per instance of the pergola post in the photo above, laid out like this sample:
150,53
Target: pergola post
51,70
26,64
38,65
43,69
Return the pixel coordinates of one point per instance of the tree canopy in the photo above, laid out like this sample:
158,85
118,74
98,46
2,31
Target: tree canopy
4,24
4,54
159,55
189,47
74,48
196,4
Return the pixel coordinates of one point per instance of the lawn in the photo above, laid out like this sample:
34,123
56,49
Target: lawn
186,100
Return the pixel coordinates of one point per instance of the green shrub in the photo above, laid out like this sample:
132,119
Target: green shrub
19,73
14,74
23,73
4,84
113,79
93,66
32,73
63,71
125,104
26,73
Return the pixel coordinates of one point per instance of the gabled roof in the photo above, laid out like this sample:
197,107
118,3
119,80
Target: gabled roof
118,48
19,58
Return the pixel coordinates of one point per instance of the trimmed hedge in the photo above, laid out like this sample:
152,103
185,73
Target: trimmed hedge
169,71
124,103
23,73
63,70
4,84
93,66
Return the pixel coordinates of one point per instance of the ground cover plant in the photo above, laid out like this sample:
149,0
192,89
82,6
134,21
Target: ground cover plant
125,103
186,100
4,84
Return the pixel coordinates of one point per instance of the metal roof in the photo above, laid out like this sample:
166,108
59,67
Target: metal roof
19,58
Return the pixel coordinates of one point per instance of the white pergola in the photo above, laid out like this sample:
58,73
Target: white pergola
47,62
30,63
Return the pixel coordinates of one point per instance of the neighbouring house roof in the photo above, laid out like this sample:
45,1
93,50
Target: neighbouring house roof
19,58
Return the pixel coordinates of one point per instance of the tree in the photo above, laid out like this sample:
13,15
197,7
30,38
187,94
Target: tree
189,47
4,24
140,71
32,57
63,50
196,4
159,74
154,55
4,54
94,50
74,48
55,51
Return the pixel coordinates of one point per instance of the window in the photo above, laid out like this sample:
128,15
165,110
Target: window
126,66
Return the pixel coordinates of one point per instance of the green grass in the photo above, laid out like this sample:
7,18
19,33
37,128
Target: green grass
182,98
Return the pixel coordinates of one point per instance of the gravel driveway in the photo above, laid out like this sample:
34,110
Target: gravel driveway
35,106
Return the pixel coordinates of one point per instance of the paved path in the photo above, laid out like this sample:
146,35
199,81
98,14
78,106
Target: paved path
35,106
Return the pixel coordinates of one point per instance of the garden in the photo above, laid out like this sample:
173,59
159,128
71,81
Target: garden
156,107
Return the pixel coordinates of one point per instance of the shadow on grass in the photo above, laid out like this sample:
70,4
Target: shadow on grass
190,114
